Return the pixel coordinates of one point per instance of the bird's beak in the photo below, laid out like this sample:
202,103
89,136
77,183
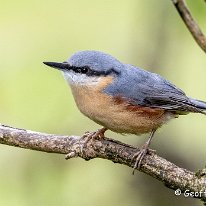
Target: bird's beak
61,66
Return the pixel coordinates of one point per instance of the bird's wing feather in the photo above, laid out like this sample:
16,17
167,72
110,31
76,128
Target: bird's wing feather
148,89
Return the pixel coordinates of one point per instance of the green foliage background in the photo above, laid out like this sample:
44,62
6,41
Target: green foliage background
149,34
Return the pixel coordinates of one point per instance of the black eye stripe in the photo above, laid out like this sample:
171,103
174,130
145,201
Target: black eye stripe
89,72
82,70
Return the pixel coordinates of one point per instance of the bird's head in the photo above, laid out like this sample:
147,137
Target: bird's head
88,67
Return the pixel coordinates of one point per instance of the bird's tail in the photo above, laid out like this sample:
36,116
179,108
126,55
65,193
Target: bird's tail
200,105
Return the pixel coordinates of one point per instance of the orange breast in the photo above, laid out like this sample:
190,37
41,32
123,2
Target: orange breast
116,115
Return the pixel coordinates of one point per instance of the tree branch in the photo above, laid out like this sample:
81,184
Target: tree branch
190,23
171,175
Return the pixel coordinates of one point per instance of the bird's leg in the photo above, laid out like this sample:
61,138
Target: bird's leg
143,150
94,135
99,134
90,136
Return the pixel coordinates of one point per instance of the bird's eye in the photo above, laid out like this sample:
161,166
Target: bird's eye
81,70
78,70
84,70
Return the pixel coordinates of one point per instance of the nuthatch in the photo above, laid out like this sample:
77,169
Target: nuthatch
124,98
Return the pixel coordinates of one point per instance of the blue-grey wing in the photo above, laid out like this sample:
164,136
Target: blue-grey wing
140,87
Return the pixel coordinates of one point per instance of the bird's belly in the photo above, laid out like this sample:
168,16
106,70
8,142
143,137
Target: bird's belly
121,120
102,109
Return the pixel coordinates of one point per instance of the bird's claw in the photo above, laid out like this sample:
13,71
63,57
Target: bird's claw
91,136
139,156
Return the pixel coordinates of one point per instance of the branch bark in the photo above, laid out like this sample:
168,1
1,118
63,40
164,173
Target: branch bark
190,23
170,174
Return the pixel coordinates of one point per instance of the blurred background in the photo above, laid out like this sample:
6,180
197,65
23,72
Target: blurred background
148,34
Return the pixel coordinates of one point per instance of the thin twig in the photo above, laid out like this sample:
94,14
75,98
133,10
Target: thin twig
190,23
171,175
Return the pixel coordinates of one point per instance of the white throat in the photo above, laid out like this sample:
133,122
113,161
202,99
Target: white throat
81,79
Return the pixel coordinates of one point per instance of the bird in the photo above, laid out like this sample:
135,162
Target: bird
123,98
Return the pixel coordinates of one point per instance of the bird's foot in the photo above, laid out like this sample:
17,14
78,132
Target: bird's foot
143,150
139,156
90,136
94,135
